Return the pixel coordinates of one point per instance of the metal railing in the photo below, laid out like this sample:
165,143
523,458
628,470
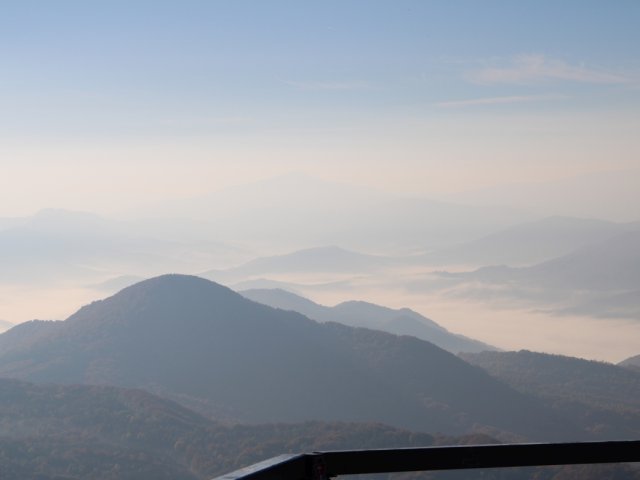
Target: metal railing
324,465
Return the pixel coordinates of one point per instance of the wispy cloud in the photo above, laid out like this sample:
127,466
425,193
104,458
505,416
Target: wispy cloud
328,85
537,68
473,102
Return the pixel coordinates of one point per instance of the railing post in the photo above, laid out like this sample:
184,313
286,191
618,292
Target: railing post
318,467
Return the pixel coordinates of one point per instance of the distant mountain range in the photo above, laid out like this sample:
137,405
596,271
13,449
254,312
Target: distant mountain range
613,195
84,255
318,260
204,346
606,305
611,265
290,211
363,314
575,256
210,348
80,248
532,242
589,280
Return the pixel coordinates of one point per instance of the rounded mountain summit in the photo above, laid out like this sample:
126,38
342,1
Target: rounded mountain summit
204,345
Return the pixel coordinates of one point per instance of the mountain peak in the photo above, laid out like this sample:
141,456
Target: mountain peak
201,342
174,281
166,298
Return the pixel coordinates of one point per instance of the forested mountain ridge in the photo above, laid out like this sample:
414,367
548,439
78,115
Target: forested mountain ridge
24,334
74,432
602,397
198,342
100,432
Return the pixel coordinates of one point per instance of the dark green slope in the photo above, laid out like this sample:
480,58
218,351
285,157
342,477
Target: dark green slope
202,344
99,432
25,334
56,431
601,397
74,432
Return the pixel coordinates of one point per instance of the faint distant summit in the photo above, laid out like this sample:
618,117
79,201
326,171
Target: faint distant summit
403,321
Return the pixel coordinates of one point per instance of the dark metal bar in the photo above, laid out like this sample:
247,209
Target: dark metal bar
321,465
277,468
479,456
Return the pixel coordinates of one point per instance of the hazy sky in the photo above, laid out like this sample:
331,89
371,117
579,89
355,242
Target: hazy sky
105,104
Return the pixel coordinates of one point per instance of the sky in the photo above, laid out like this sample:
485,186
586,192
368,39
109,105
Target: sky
109,104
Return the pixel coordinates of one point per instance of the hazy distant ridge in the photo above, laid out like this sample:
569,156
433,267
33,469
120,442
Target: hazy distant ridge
363,314
317,260
532,242
599,280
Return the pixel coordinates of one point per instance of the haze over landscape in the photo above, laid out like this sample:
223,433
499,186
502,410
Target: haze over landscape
424,204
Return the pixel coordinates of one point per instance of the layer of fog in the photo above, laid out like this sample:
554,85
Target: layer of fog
497,323
56,261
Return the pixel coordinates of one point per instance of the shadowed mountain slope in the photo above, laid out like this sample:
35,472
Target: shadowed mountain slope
25,334
363,314
79,432
602,397
194,340
74,432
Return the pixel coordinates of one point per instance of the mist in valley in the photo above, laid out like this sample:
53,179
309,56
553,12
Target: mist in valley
550,283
